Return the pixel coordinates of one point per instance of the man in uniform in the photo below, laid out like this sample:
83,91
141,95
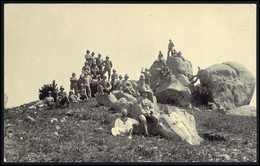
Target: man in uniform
86,81
49,100
82,91
147,76
118,83
114,78
127,86
99,62
107,67
62,98
146,111
170,48
94,70
87,56
104,87
72,97
74,83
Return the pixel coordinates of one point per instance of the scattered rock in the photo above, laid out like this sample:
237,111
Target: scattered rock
214,136
31,118
54,120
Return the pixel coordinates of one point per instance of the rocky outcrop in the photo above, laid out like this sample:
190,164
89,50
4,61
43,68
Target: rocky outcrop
230,84
173,92
179,65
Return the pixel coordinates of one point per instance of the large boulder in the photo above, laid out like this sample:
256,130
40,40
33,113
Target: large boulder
179,65
178,122
173,92
230,84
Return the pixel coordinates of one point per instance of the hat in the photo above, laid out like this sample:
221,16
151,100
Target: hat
126,76
142,77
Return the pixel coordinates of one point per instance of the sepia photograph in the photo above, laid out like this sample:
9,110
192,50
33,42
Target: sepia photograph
96,82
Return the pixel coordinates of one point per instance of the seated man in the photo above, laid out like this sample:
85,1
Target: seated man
62,98
146,112
104,87
124,126
127,86
72,97
118,83
49,100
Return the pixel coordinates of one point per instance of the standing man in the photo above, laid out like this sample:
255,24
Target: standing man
107,67
86,81
114,78
99,62
87,56
170,48
74,83
147,76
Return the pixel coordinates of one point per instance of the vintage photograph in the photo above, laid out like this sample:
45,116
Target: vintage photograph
130,82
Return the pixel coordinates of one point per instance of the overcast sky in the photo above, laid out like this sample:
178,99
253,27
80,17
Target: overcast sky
47,42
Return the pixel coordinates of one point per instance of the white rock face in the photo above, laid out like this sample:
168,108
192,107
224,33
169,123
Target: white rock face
181,123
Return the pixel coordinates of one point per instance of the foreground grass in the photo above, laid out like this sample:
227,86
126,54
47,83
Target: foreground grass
82,133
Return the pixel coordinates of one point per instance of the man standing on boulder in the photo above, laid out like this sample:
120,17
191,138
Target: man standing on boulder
170,48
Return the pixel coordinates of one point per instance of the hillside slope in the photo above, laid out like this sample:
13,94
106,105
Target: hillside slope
82,133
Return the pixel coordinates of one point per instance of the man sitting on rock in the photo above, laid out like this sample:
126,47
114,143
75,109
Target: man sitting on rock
72,97
104,87
124,125
63,100
127,86
142,86
146,111
49,100
118,83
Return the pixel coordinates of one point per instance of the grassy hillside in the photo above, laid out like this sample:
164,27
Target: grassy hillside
82,133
